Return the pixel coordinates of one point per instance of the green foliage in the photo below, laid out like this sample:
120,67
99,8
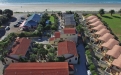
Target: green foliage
112,12
79,28
119,11
32,57
28,15
8,11
21,59
87,52
114,23
69,12
92,67
48,46
101,12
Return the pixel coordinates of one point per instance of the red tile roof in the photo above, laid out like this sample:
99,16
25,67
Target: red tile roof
69,31
21,46
51,68
67,47
52,38
57,34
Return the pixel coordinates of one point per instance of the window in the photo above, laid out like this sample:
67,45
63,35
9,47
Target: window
12,61
76,58
69,60
67,34
73,34
65,38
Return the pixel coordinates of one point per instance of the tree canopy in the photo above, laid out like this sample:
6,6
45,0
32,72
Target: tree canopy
112,12
101,12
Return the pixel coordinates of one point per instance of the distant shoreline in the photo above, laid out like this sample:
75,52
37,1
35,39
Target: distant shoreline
60,7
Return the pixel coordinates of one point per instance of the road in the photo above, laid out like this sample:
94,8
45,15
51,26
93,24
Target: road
11,23
80,69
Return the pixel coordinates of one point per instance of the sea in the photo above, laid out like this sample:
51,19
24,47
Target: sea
60,1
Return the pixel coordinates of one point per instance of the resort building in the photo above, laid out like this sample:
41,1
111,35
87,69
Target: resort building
50,68
110,55
68,21
31,22
105,47
68,34
67,49
20,48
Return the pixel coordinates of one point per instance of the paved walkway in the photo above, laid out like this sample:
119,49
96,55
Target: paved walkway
81,68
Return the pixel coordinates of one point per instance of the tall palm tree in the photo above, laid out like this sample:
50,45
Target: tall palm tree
119,12
112,12
101,12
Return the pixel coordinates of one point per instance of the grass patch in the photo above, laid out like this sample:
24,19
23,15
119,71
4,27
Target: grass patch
114,22
52,19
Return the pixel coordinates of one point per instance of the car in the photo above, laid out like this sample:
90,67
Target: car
39,38
16,25
22,18
89,72
20,22
7,28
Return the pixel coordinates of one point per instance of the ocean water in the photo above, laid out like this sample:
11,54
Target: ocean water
60,1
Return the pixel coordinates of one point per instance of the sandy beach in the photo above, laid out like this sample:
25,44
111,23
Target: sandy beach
61,7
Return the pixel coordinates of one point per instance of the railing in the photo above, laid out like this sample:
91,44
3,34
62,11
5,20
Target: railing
107,71
98,54
103,63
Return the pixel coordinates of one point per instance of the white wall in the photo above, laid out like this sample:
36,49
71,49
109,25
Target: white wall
9,61
68,55
16,56
71,72
73,61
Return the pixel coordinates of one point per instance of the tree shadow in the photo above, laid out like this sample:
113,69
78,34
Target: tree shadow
107,17
13,19
117,17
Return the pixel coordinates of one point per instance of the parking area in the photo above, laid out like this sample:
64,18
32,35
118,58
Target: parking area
11,23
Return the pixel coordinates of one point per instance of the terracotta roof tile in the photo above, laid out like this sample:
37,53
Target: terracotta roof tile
67,47
96,23
21,46
115,51
106,37
102,32
54,68
110,43
91,17
93,20
99,27
52,38
69,31
57,34
120,73
117,62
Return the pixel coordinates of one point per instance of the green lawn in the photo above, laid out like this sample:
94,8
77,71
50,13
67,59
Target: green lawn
52,19
114,23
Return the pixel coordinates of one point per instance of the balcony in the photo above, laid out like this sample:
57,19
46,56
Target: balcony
110,71
104,62
98,53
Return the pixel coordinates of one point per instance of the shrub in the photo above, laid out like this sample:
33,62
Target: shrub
87,52
92,67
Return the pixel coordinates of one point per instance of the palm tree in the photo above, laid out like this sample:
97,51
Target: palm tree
101,12
112,12
119,12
